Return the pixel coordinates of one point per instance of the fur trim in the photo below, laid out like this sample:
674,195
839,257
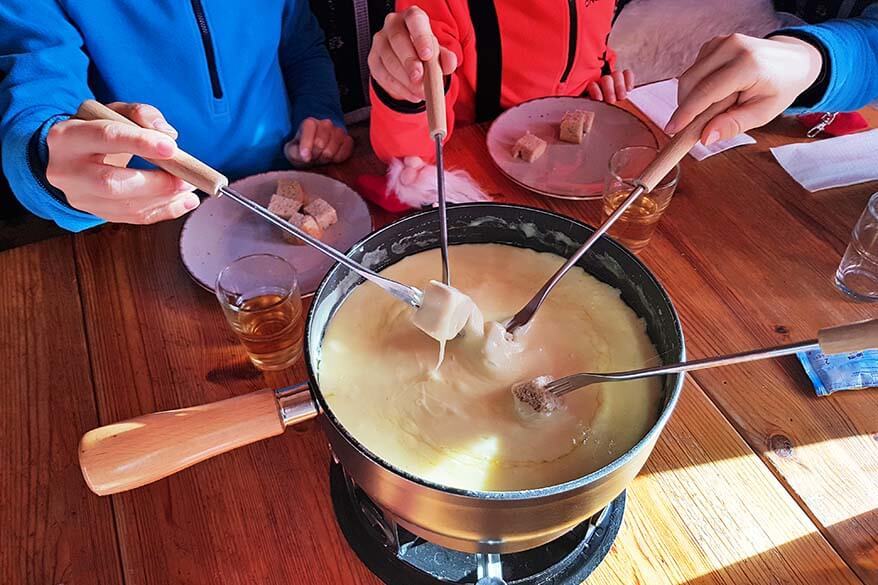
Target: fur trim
460,187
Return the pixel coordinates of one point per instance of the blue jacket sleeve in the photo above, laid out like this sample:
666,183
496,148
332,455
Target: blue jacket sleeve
850,53
45,80
307,68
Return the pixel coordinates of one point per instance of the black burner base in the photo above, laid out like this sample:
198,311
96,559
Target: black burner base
398,557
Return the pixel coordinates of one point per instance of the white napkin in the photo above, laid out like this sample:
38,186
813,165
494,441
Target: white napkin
831,162
659,100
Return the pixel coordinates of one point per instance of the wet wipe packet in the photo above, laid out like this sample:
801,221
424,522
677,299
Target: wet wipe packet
843,371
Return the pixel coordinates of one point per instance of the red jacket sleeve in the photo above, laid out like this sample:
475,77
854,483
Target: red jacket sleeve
399,129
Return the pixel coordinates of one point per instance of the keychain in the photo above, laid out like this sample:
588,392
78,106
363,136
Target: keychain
832,123
827,119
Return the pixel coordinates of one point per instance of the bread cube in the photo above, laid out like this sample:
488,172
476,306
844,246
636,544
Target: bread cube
291,189
283,206
574,125
533,396
322,211
307,224
529,148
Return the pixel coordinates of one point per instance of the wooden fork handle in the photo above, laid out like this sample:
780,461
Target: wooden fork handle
182,165
849,338
680,144
434,94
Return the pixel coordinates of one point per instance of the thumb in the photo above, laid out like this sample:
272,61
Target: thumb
736,120
447,61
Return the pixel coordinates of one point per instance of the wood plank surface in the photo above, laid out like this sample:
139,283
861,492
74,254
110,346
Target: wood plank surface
708,506
52,529
261,514
758,271
705,510
748,258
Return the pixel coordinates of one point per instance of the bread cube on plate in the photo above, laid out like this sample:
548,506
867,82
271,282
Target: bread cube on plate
307,224
291,189
283,206
322,211
574,125
529,147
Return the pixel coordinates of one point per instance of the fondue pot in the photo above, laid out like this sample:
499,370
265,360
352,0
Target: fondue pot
125,455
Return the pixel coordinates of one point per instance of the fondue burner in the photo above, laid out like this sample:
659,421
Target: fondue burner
398,557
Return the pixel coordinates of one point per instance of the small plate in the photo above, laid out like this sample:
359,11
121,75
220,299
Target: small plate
220,230
566,171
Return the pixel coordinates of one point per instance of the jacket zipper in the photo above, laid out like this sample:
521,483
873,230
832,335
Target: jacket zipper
201,20
571,41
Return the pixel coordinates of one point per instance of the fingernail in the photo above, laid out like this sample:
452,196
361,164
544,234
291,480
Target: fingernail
191,202
166,147
163,126
415,74
305,153
671,128
426,53
712,137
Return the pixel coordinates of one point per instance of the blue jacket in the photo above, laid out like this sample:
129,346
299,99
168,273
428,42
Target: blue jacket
850,62
234,78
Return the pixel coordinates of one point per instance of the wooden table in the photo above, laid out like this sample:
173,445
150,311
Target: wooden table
755,479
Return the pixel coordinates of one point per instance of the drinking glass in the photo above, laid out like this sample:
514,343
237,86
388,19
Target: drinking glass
857,274
260,297
636,226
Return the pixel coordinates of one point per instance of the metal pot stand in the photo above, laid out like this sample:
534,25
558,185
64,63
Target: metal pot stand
398,557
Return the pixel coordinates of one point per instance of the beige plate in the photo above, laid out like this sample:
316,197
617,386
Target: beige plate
220,230
566,171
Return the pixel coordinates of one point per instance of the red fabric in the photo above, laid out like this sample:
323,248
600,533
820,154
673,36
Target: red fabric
374,189
534,55
844,123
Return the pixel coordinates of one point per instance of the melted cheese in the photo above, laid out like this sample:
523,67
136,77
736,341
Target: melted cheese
458,425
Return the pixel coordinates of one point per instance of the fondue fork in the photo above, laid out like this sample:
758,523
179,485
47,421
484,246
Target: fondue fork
434,95
840,339
668,157
205,178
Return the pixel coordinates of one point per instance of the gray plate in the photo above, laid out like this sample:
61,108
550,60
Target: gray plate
220,231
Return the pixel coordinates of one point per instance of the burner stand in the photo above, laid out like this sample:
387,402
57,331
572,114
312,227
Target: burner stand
398,557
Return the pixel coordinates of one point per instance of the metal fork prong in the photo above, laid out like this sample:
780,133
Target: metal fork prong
561,387
568,384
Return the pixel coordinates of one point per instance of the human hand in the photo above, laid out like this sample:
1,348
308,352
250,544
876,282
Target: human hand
766,74
611,88
318,142
88,159
399,50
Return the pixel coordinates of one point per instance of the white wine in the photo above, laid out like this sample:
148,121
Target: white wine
271,327
638,223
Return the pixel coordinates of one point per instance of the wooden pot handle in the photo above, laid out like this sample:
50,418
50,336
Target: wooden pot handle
434,94
849,338
680,145
183,165
132,453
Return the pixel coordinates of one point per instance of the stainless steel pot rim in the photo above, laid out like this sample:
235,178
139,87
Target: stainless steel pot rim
522,495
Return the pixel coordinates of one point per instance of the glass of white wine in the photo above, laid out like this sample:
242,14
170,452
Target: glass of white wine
260,297
637,225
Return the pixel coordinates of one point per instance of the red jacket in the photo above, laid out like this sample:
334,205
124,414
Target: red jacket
538,47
